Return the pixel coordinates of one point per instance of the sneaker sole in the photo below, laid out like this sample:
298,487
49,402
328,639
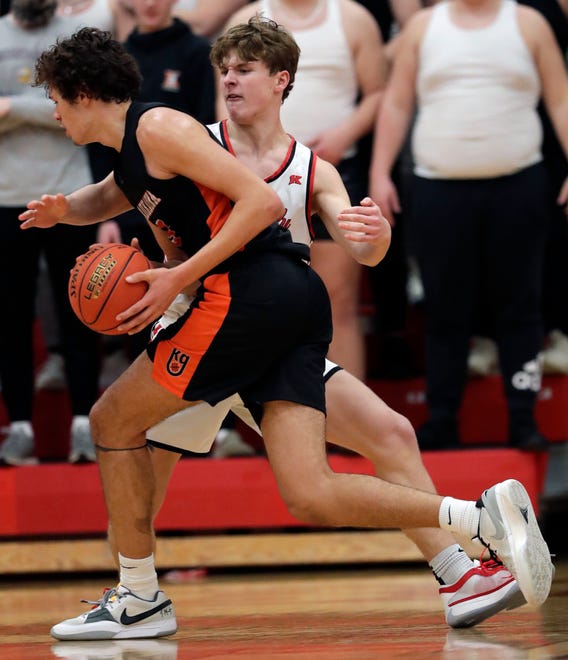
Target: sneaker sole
526,553
512,599
18,462
110,630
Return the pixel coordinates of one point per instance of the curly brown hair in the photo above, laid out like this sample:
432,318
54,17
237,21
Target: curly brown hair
260,40
89,62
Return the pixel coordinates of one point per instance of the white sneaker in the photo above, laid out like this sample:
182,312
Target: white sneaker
229,443
121,614
18,448
555,355
483,358
508,527
484,590
51,376
82,449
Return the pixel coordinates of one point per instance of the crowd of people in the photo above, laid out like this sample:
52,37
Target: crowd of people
432,137
491,294
510,315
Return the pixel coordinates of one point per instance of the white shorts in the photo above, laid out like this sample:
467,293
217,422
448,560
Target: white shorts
195,429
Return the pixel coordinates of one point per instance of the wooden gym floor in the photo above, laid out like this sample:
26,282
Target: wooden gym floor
386,611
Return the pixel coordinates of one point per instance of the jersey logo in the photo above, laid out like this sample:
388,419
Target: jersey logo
295,179
170,82
147,204
177,362
170,233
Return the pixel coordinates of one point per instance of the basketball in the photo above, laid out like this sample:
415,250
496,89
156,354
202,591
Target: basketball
97,287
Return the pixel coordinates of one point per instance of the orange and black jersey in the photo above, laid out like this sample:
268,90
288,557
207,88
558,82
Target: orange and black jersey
189,213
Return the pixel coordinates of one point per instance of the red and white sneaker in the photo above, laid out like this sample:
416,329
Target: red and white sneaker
484,590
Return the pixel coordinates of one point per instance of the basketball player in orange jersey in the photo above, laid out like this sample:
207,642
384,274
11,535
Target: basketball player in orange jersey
204,203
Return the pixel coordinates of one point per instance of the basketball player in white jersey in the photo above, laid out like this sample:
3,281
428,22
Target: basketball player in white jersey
254,85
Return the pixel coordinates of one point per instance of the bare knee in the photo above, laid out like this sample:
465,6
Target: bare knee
389,438
401,433
310,503
104,420
97,420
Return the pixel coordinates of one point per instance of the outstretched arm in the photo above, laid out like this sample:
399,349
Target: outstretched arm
86,206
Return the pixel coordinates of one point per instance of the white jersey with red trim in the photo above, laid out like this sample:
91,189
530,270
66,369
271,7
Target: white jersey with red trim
195,428
293,182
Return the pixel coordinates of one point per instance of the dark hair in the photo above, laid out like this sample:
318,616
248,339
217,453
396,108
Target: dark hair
89,62
260,40
33,14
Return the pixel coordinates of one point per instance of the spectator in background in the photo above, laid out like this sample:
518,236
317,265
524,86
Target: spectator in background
338,85
34,152
476,71
555,282
483,355
51,376
206,17
391,17
390,280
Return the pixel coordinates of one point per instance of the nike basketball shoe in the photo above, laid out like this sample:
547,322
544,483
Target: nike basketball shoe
121,614
508,527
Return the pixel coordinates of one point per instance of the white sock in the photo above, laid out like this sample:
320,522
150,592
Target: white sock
139,575
22,425
459,516
450,564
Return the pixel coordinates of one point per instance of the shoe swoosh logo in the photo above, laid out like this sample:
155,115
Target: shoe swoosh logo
127,620
499,530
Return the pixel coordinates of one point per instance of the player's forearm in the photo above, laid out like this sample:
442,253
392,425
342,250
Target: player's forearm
248,218
94,203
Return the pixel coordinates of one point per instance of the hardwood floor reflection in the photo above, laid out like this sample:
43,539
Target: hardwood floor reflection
379,612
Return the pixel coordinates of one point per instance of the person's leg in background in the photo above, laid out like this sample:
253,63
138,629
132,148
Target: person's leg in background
446,240
80,346
389,284
18,265
555,278
516,231
51,375
342,276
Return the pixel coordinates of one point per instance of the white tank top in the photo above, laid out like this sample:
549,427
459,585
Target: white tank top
325,90
477,94
98,14
292,181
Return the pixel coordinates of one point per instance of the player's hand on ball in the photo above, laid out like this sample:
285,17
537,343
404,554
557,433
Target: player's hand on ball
163,287
98,290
